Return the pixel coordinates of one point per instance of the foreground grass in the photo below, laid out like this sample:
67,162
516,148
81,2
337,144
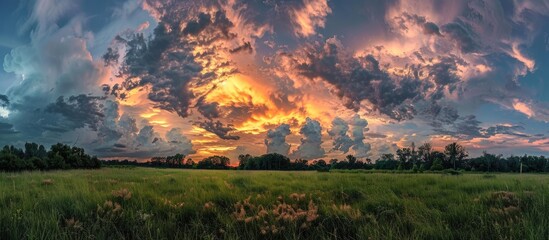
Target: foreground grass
145,203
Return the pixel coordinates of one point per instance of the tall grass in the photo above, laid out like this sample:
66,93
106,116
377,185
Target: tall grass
142,203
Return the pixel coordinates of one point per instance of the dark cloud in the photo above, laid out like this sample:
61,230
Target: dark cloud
246,47
358,127
462,35
375,135
81,110
276,140
338,132
196,26
437,115
119,145
4,101
6,129
209,110
406,20
431,28
111,57
468,127
219,129
181,143
444,72
358,79
310,147
166,62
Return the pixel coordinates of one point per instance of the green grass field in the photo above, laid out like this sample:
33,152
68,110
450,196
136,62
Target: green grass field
141,203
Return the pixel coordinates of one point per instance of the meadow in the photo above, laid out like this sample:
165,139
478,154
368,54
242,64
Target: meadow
149,203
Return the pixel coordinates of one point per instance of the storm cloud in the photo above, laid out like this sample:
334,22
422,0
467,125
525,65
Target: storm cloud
276,140
310,147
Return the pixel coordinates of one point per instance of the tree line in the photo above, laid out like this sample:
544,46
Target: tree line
423,158
36,157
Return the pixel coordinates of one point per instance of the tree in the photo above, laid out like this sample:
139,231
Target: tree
351,159
437,165
455,152
243,160
424,152
190,162
214,162
404,156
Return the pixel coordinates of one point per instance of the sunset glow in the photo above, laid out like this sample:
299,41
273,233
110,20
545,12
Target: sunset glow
232,77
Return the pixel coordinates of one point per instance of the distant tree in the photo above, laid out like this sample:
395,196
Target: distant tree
422,168
34,156
351,159
387,157
300,164
190,163
455,152
320,164
424,152
437,165
415,168
243,160
214,162
404,155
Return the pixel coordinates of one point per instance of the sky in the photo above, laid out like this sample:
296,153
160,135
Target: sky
308,79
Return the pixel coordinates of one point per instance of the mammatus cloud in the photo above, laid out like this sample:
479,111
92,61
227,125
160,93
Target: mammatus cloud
276,140
310,147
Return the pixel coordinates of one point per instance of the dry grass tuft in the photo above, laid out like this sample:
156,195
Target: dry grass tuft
123,193
209,205
73,224
47,182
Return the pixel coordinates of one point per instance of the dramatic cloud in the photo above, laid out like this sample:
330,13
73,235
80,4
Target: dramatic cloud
310,16
338,132
462,36
143,78
80,110
468,127
358,79
310,147
343,142
359,125
217,128
4,101
276,140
